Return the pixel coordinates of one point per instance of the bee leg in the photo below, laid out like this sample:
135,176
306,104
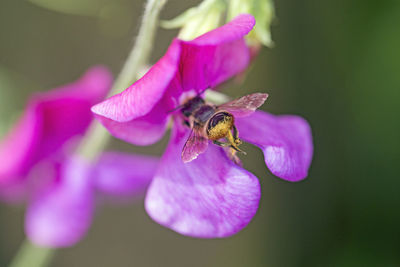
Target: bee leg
232,156
236,149
236,138
221,144
234,142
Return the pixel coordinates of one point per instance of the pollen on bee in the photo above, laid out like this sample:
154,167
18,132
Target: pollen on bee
219,126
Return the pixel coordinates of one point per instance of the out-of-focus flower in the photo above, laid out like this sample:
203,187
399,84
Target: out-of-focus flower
50,121
60,213
210,196
36,163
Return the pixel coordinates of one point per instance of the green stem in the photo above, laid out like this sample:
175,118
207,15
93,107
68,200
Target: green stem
96,138
30,255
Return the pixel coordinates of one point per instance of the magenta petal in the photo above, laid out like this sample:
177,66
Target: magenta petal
51,119
207,66
208,197
16,148
286,141
120,174
61,215
140,98
234,30
66,111
187,66
216,56
142,131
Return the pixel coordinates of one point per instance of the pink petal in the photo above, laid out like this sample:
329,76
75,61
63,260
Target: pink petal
123,174
285,140
207,66
66,111
216,56
51,119
61,215
208,197
140,98
18,146
234,30
187,66
142,131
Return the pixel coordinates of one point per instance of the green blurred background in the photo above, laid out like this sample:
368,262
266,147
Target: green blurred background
335,63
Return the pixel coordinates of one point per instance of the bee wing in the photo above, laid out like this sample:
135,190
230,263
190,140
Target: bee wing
194,146
245,105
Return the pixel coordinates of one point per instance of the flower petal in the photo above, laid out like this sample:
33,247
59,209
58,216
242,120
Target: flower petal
61,215
50,119
208,197
285,140
187,66
18,146
207,66
142,131
234,30
123,174
66,111
216,56
203,54
140,98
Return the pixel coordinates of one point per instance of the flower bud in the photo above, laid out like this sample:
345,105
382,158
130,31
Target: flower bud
263,12
197,20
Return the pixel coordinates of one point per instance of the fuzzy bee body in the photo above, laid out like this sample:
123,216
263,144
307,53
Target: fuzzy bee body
203,114
211,122
214,124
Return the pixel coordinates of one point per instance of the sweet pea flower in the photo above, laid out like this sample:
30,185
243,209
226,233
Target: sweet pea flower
60,213
50,120
210,196
36,163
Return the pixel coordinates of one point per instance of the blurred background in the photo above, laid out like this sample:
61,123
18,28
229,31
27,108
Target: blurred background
336,63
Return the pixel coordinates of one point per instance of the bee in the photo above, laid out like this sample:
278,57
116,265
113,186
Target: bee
212,122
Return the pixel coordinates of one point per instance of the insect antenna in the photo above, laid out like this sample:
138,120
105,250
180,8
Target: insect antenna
175,109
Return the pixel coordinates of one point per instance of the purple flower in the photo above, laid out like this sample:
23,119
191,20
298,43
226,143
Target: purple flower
210,196
36,163
50,120
60,213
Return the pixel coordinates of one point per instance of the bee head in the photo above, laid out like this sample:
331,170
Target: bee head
191,105
219,125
